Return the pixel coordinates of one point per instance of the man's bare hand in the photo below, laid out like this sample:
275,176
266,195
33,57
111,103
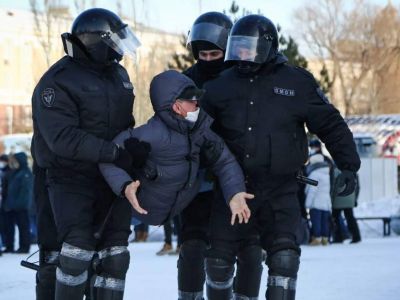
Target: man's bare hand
130,194
239,207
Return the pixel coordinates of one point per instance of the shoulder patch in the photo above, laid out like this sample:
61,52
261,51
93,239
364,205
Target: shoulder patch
321,94
48,97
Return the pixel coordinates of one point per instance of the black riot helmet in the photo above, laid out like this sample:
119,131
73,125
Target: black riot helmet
209,31
103,36
253,39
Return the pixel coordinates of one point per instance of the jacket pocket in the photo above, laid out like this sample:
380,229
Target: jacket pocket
287,152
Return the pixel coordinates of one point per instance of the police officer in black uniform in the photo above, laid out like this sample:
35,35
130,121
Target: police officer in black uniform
80,104
207,40
261,107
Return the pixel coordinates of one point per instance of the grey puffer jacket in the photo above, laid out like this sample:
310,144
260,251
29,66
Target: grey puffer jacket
169,180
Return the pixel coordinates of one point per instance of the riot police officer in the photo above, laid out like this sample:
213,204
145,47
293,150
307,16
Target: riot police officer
79,105
261,107
207,40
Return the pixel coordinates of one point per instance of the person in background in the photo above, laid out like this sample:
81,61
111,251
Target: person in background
345,204
318,199
17,201
168,230
141,232
3,169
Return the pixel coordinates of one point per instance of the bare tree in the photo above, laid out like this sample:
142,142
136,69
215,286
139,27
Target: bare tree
349,37
46,21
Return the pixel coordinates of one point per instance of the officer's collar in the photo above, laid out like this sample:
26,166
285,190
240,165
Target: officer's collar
269,67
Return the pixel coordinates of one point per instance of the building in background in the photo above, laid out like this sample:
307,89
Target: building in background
28,49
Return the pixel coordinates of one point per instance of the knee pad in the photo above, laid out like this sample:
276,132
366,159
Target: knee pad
219,273
73,265
283,268
112,267
284,263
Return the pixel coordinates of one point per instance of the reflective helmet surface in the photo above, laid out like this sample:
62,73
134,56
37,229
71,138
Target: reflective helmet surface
104,35
253,38
209,31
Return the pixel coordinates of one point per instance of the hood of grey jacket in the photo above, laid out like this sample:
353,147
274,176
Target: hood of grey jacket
164,89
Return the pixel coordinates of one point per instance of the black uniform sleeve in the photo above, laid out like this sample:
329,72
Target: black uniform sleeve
57,116
324,120
206,102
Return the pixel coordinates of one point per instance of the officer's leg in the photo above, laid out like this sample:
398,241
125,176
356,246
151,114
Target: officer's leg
111,269
72,272
191,275
72,205
249,271
113,257
195,221
46,275
283,261
220,267
224,245
280,238
49,247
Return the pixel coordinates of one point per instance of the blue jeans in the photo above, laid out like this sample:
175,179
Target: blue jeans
319,222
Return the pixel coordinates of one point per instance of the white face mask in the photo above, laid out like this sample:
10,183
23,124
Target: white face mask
192,116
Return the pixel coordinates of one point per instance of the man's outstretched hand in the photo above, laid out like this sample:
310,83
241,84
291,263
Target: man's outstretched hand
130,194
239,207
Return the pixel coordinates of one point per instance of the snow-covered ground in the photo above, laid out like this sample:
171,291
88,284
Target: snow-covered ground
368,270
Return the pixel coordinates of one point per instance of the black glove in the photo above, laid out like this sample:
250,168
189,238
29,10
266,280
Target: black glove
138,150
123,159
210,152
346,181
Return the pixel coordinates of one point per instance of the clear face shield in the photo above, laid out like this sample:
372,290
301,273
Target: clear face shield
124,42
248,48
209,32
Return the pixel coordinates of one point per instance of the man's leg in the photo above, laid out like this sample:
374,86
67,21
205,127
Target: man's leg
352,224
22,221
9,231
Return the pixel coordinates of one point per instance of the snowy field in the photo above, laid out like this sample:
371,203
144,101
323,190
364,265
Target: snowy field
366,271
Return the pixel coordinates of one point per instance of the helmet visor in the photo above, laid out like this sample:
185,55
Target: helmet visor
209,32
124,42
248,48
